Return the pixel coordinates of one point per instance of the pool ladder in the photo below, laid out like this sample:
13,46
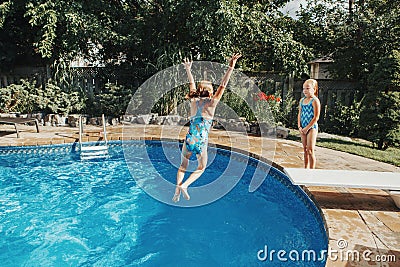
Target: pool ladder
93,151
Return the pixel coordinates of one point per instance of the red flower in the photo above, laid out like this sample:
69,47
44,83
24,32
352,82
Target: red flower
262,96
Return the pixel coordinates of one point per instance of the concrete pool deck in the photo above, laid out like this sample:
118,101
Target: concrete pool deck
360,222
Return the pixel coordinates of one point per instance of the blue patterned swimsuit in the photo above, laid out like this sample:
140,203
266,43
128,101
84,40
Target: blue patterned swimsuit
197,136
307,114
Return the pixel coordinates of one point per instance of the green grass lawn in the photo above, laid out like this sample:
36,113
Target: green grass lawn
357,147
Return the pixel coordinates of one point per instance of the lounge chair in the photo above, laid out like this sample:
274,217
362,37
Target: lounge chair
387,181
17,120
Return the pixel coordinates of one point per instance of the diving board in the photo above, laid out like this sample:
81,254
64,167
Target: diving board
388,181
344,178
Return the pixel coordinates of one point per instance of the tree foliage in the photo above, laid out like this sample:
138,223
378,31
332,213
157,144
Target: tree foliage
156,34
112,102
386,75
144,36
380,118
380,114
27,98
150,34
357,35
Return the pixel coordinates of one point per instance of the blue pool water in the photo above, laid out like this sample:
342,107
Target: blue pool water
56,210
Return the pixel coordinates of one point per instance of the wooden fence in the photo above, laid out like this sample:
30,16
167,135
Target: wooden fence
92,79
331,93
39,74
88,79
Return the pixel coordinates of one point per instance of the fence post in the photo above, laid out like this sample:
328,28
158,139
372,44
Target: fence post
5,83
289,86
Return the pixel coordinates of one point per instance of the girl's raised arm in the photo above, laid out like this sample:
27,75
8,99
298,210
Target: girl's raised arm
188,66
227,76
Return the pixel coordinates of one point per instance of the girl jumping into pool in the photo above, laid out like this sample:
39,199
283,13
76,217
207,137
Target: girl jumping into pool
202,107
309,110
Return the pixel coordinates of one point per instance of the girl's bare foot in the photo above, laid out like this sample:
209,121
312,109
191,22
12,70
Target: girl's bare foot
177,194
185,193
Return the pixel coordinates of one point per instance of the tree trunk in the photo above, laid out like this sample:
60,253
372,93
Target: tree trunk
351,4
380,144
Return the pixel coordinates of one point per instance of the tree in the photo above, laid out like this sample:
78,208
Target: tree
319,25
151,34
380,113
16,37
48,30
357,34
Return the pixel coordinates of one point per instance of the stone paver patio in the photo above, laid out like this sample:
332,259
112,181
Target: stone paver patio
362,219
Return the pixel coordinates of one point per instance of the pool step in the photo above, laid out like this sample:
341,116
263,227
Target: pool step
94,152
93,148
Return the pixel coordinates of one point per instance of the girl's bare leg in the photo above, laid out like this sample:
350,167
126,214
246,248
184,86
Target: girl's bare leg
181,172
311,141
202,160
304,142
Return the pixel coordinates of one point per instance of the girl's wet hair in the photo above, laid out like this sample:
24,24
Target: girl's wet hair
314,85
204,89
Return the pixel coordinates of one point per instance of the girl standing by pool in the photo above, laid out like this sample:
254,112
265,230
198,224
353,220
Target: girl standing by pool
309,110
202,108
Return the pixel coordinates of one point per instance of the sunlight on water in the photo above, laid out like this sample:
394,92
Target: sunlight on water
56,210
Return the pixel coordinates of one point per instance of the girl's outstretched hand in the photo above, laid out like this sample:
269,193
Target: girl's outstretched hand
233,59
187,63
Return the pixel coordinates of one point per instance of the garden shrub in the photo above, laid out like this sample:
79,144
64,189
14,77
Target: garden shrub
380,118
27,98
380,113
18,97
112,101
55,100
343,119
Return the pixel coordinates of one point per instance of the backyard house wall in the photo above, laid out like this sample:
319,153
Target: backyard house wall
320,68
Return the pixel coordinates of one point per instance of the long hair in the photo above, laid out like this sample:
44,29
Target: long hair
314,85
204,89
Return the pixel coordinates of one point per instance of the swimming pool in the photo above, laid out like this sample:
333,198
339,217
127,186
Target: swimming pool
57,210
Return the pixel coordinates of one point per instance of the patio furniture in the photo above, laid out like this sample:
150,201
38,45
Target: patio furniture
17,120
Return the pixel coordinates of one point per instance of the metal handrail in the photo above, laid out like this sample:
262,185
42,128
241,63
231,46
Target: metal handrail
96,150
80,131
104,128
